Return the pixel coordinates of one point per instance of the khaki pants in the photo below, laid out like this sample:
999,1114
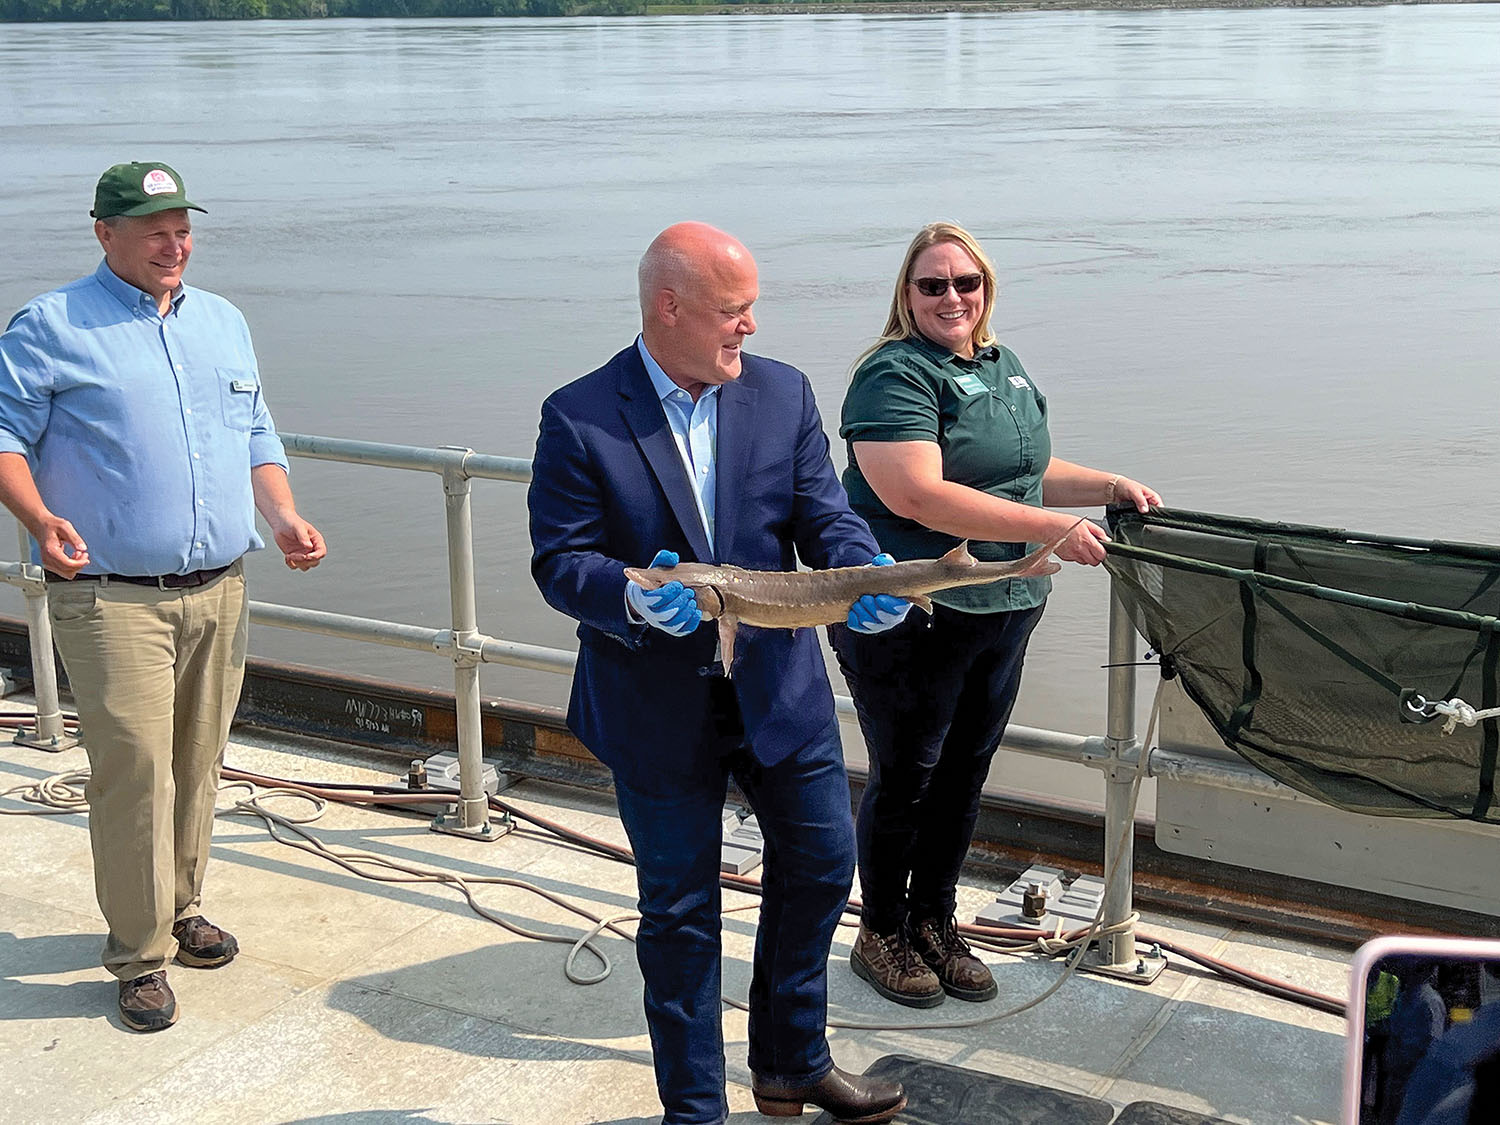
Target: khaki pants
156,676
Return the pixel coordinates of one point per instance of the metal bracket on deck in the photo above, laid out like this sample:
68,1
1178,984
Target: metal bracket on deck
440,774
490,829
1144,969
741,847
48,732
52,743
1076,905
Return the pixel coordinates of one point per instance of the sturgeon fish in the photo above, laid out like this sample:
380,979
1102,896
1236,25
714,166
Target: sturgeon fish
783,599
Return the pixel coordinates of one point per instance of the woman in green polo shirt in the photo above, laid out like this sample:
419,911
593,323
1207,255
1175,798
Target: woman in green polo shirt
947,441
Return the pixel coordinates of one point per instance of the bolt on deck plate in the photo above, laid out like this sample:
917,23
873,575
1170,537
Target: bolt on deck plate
741,846
1075,904
52,743
492,829
443,777
1143,970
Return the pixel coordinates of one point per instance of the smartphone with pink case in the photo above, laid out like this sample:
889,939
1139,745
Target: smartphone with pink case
1423,1045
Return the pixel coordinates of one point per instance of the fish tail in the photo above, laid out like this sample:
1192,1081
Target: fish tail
1040,561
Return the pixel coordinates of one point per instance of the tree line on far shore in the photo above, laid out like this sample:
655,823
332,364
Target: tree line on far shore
90,11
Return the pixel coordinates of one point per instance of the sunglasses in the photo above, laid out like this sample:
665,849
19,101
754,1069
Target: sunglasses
937,286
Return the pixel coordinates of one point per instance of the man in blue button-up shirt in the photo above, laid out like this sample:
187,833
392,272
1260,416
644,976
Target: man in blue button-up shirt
135,447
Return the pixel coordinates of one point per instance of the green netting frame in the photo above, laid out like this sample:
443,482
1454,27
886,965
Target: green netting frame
1308,648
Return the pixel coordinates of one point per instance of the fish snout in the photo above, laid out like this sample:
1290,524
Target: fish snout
646,579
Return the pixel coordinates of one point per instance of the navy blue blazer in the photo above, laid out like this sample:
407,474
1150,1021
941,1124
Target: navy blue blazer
609,489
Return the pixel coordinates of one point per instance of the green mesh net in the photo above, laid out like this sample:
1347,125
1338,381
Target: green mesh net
1318,654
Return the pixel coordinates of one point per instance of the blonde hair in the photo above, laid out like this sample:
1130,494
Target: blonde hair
901,325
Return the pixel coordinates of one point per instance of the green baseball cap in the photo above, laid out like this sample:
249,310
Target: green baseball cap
139,189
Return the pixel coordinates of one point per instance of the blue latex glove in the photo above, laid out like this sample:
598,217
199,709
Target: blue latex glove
672,608
875,613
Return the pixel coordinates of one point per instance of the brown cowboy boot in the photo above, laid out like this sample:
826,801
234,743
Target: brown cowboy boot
962,974
851,1098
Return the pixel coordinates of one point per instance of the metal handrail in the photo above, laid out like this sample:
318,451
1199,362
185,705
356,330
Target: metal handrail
443,459
1117,753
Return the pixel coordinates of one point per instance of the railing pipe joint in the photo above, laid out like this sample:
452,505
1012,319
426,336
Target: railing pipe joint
29,578
467,648
455,460
1121,760
1097,751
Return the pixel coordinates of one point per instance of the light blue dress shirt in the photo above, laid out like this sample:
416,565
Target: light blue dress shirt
141,429
695,428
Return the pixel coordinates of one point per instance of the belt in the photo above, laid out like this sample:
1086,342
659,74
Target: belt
188,581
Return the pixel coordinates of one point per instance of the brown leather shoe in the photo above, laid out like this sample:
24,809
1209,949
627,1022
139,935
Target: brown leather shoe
851,1098
894,968
962,974
147,1003
202,945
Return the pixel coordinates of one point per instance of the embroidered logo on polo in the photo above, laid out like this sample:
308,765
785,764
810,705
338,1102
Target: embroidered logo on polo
970,384
158,182
1019,381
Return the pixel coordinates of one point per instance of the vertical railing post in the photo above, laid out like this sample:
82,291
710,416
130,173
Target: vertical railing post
471,818
1118,949
49,733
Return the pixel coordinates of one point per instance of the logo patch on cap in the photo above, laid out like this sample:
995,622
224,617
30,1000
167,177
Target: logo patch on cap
158,182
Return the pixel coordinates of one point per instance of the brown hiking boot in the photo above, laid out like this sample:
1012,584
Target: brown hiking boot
962,974
147,1003
895,969
202,945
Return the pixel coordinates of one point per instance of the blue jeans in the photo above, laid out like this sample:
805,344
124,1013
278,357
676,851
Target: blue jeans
802,805
933,700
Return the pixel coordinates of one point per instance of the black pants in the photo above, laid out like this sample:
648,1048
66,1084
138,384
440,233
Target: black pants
933,700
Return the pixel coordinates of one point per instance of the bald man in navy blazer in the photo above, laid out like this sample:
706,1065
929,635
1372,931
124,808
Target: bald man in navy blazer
683,444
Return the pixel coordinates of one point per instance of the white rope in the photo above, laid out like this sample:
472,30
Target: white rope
61,793
1460,712
382,869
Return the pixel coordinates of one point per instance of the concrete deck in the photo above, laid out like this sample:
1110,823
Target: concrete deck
357,1002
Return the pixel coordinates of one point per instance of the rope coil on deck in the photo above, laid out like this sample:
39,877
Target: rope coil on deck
368,865
58,794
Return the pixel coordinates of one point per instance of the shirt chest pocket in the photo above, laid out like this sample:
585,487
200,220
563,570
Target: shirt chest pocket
970,409
1030,409
992,437
237,390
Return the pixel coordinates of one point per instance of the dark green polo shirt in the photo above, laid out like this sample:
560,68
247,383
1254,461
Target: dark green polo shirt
991,425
